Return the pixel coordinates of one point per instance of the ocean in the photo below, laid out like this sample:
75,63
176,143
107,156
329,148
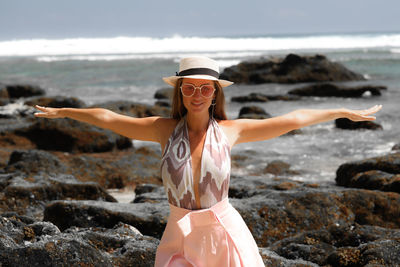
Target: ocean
97,70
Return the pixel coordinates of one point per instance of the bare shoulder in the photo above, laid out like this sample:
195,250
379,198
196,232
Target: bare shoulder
166,124
229,127
165,127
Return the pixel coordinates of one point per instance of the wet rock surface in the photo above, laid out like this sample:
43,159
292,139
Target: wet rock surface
14,91
347,124
258,97
378,173
253,112
330,89
30,194
32,243
291,69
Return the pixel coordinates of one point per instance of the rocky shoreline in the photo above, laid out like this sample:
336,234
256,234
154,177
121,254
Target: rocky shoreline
55,209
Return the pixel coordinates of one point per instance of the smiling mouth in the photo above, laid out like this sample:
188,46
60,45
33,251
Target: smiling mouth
197,104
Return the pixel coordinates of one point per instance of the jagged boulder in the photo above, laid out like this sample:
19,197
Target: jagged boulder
35,243
72,136
291,69
330,89
14,91
346,124
378,173
148,218
253,112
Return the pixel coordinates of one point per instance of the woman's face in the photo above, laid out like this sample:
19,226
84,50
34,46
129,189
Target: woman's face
197,103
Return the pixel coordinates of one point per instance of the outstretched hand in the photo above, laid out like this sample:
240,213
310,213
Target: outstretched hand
50,113
362,115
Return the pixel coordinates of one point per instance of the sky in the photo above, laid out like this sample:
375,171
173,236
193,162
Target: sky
52,19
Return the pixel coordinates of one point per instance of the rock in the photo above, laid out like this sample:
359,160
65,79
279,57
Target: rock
258,97
274,215
347,124
376,180
42,244
329,89
116,169
29,194
56,102
33,162
39,188
272,259
136,109
148,218
292,69
338,245
150,194
162,103
278,167
20,90
164,93
389,163
253,112
396,147
72,136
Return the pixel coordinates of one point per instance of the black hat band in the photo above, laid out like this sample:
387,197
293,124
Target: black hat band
199,71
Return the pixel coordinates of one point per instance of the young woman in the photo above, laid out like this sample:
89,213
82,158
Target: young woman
203,229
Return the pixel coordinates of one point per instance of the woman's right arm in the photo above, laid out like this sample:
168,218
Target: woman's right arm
145,129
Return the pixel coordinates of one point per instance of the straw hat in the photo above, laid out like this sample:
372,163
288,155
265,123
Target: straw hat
197,68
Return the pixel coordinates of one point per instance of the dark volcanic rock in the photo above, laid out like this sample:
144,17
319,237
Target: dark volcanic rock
396,147
347,124
341,246
72,136
272,259
292,69
274,215
278,167
29,194
33,162
56,102
39,188
20,90
164,93
136,109
253,112
329,89
379,173
42,244
116,169
150,193
258,97
148,218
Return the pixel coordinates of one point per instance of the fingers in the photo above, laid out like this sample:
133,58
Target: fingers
365,114
40,108
371,110
45,114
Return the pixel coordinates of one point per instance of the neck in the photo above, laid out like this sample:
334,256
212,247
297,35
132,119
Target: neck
197,123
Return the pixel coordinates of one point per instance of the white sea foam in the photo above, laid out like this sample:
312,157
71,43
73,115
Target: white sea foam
145,47
395,51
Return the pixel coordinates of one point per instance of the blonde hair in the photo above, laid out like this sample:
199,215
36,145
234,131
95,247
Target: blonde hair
178,110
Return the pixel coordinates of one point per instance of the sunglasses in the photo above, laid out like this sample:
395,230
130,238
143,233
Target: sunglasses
206,90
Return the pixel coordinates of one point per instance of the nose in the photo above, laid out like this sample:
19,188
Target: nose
197,92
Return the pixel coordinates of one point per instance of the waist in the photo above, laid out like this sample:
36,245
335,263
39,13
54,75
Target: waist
220,209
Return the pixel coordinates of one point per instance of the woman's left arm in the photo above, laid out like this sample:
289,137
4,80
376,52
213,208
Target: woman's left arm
247,130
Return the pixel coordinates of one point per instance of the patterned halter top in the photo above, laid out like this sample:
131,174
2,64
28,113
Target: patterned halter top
176,168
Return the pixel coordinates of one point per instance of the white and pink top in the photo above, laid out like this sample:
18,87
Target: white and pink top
176,168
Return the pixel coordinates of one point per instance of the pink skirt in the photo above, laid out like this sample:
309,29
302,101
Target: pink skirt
216,236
